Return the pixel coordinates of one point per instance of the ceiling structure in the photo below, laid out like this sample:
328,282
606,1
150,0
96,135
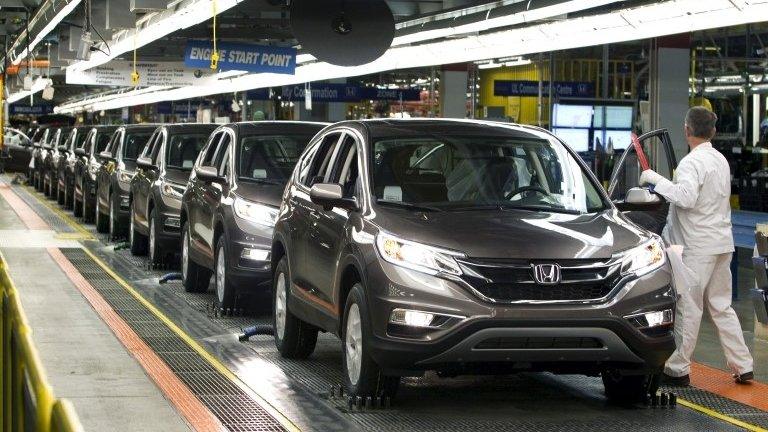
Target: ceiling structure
428,32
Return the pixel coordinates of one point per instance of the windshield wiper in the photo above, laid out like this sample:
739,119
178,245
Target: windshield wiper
263,181
410,206
502,206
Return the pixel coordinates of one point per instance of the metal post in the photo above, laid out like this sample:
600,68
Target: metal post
551,87
540,98
473,92
605,86
432,98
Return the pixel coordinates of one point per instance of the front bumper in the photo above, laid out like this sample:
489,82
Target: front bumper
584,337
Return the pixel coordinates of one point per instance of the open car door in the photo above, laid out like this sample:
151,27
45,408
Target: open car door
641,205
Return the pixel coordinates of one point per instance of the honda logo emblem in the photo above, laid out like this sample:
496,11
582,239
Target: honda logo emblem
546,274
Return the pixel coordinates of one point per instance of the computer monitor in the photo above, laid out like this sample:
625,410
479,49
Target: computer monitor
617,117
621,138
572,116
577,139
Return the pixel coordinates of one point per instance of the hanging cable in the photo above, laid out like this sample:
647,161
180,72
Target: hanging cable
215,52
135,73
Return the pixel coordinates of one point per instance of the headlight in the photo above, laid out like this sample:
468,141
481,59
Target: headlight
416,256
172,191
125,176
644,258
256,213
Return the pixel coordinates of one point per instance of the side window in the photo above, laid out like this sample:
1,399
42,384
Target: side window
345,168
318,169
306,163
155,152
87,142
210,151
148,148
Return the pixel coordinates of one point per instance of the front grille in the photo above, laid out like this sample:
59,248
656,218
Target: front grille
501,343
508,281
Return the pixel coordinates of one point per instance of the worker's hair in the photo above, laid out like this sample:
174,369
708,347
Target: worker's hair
701,122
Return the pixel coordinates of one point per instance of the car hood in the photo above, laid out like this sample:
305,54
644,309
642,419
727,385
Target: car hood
515,234
262,193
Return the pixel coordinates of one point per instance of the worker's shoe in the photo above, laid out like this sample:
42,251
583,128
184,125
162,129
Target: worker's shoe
744,378
681,381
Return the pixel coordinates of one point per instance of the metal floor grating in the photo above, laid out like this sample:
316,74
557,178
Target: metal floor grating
723,405
34,200
236,409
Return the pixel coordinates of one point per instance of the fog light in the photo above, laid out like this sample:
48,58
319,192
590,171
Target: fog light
125,202
652,319
255,254
411,318
172,222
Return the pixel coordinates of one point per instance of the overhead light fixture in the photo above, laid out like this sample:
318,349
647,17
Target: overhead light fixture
642,22
52,23
235,106
48,91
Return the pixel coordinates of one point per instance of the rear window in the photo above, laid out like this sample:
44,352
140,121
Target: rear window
134,144
183,150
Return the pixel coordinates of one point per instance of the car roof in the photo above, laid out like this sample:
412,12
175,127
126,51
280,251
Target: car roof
190,127
141,126
426,126
271,126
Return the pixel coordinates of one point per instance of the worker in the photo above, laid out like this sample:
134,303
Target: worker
700,220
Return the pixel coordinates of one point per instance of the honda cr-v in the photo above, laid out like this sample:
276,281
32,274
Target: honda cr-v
231,202
86,167
466,247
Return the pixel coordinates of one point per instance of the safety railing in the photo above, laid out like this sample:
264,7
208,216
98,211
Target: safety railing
28,403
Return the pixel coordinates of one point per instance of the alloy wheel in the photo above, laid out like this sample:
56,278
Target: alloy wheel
112,218
354,341
281,302
185,255
152,251
221,274
131,239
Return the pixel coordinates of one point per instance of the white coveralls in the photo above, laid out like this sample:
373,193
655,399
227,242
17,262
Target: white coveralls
700,220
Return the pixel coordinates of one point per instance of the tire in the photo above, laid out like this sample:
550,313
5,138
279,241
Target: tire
194,277
137,241
624,388
362,376
294,338
225,290
115,229
156,253
102,224
61,196
77,206
87,212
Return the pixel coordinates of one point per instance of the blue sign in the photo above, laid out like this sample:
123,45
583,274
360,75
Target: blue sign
178,108
30,110
338,93
244,57
531,88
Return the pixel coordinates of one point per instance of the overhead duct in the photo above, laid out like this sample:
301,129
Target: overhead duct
343,32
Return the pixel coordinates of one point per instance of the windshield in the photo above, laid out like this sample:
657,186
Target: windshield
183,150
134,144
468,172
269,158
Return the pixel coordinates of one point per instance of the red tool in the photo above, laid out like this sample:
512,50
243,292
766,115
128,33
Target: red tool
640,153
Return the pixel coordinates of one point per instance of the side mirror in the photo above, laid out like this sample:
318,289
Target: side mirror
80,151
105,155
63,149
145,163
641,196
208,174
330,195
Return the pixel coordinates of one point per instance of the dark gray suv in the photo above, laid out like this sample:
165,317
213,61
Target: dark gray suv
231,202
156,189
466,247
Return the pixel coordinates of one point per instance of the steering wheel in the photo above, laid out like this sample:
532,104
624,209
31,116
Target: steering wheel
529,188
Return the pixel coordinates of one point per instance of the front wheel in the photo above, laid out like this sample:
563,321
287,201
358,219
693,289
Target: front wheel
621,387
225,290
102,223
137,241
362,376
194,277
294,338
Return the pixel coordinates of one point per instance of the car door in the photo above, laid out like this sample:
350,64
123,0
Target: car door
311,171
327,227
659,153
107,168
143,180
214,191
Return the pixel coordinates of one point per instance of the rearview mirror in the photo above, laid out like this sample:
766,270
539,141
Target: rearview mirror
642,196
80,151
208,174
106,155
145,163
330,195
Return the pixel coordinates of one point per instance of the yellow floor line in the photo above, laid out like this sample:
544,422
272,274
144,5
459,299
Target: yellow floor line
264,403
60,213
720,416
284,421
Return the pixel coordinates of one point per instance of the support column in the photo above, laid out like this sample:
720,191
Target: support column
453,91
669,73
337,111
